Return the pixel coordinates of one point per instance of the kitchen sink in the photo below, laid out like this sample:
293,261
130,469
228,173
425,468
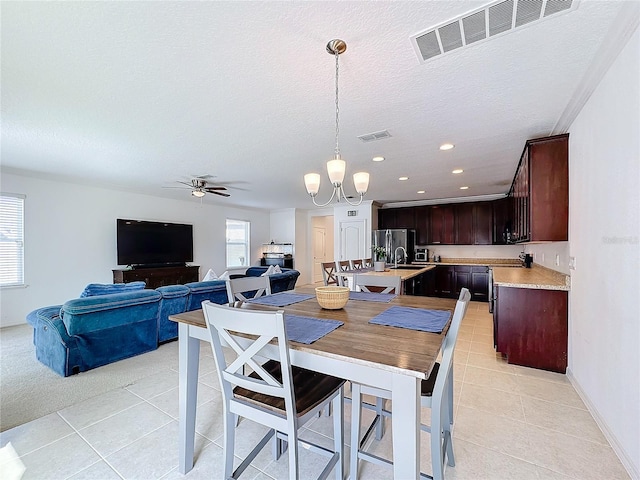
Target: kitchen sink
407,267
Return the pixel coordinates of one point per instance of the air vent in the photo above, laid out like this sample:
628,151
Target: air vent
370,137
493,19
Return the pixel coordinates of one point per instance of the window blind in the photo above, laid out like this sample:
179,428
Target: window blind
11,239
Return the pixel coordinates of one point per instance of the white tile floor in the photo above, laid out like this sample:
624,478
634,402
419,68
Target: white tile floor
511,423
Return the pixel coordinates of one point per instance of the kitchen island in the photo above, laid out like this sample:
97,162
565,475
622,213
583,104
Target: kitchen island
406,272
530,316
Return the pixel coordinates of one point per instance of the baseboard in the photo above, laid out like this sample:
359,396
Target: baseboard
632,470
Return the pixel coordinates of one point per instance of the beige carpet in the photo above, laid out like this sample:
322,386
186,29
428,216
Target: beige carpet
30,390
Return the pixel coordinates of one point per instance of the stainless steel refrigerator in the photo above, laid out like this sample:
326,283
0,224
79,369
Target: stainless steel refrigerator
391,239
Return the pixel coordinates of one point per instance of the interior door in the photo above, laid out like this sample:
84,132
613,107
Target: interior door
352,240
319,251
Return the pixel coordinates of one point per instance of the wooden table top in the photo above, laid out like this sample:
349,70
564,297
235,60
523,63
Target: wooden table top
395,349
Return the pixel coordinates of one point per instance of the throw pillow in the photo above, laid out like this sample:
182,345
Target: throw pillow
94,289
277,269
269,271
211,275
224,276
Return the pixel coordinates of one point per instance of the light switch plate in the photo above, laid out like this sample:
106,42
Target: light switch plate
572,263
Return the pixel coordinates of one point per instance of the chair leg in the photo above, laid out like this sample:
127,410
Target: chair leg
448,439
292,438
338,432
380,424
229,443
450,396
436,442
356,418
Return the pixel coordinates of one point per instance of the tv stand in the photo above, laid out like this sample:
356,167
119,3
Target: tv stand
156,277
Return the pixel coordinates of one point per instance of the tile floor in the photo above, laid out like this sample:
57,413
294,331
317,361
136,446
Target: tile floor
511,423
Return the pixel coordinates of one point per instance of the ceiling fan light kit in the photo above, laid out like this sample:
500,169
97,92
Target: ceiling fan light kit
337,166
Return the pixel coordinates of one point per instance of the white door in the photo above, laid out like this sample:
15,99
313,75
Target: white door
352,240
319,251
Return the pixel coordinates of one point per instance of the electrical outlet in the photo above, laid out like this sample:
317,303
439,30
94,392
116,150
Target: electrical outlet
557,260
572,263
534,255
543,258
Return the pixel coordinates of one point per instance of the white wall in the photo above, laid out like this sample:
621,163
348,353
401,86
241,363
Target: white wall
554,255
363,213
70,237
604,322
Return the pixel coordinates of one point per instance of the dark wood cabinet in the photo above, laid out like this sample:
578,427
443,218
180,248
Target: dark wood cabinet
405,218
158,277
540,191
502,223
530,327
480,284
386,218
444,281
422,225
482,223
463,221
462,278
441,225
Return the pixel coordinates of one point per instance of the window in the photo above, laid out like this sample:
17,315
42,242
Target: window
11,240
237,243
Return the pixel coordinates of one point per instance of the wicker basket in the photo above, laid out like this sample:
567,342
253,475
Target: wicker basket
332,297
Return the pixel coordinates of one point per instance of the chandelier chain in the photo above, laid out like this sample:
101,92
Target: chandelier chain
337,107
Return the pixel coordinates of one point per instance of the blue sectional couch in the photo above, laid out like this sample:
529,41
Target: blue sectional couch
96,330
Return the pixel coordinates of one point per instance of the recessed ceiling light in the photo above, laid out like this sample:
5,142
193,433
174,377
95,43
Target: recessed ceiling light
420,191
446,146
378,159
403,178
464,188
457,170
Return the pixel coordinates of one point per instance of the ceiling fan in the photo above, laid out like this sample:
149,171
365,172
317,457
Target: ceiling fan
200,187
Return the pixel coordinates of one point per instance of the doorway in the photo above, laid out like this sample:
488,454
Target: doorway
322,244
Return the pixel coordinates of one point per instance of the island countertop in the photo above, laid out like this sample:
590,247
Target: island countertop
536,277
402,272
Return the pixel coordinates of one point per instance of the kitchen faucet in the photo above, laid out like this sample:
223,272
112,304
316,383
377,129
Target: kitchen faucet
404,257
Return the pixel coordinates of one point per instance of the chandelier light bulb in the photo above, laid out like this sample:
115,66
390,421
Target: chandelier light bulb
312,182
361,182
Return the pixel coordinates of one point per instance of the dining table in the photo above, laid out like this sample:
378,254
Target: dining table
387,357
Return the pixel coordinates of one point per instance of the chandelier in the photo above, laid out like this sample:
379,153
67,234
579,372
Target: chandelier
337,166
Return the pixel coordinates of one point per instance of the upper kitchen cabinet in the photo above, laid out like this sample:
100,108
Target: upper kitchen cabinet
463,221
540,191
422,225
406,218
502,221
483,223
386,218
441,225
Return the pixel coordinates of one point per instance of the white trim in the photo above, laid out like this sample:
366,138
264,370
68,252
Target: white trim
618,36
626,461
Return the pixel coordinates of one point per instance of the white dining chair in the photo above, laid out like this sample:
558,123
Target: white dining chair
239,288
329,273
436,394
276,394
378,283
356,264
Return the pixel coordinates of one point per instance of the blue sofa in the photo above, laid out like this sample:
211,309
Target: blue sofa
96,330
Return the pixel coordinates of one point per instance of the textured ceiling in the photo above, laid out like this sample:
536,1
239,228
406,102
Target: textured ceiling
138,95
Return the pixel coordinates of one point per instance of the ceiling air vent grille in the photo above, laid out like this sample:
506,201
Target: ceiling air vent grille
370,137
493,19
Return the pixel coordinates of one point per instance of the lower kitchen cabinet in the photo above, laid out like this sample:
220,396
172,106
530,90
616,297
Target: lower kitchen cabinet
530,327
479,284
446,281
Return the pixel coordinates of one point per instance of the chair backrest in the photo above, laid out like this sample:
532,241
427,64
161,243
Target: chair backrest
367,262
450,342
343,265
239,288
329,273
356,264
382,284
221,320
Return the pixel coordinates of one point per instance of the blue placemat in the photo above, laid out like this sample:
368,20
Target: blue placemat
281,299
413,318
372,297
308,329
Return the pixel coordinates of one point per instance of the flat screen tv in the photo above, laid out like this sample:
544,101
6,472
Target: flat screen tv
142,243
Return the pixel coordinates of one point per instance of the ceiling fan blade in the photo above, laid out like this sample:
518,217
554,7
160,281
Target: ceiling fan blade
221,194
190,185
209,189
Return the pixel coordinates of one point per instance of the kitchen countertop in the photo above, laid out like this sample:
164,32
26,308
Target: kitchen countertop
403,273
536,277
489,262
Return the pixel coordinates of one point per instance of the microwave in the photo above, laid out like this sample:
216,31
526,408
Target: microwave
421,255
